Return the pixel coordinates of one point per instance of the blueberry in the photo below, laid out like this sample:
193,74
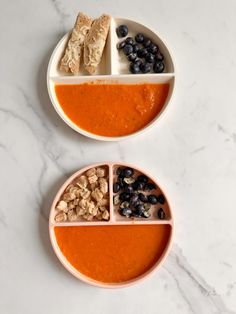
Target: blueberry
159,56
124,196
139,38
146,214
150,58
121,45
126,211
116,187
138,62
128,189
136,48
152,199
122,31
161,214
145,67
150,186
129,41
146,42
142,178
143,198
158,67
142,53
138,185
133,200
134,68
161,199
128,172
153,48
132,56
128,49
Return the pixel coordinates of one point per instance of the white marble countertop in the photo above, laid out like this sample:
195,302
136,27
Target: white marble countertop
192,152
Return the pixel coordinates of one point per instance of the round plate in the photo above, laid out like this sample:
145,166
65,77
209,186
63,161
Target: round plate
112,69
115,219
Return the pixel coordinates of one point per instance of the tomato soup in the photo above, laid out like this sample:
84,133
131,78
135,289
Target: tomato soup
112,109
113,254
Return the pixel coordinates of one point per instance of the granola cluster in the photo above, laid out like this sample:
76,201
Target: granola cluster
87,198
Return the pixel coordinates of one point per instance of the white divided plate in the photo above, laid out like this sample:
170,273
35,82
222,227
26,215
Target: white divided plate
112,69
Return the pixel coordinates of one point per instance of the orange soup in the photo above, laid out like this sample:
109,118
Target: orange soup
112,109
113,254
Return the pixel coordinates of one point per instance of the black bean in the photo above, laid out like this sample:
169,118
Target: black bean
150,186
142,178
124,196
133,200
128,172
161,214
128,189
146,42
116,187
143,198
126,211
161,199
152,199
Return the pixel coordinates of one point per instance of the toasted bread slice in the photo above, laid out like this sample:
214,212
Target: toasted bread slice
95,41
70,62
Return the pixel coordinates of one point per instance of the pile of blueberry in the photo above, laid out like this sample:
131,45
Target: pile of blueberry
130,197
143,54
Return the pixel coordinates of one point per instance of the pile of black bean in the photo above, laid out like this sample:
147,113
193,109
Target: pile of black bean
129,195
143,54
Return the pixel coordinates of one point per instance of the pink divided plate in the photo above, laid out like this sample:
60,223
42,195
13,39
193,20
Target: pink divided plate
112,69
115,219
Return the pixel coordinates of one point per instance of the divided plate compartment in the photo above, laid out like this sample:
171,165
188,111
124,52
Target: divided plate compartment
115,218
113,69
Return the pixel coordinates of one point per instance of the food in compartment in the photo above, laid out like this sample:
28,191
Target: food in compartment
113,254
86,198
145,56
95,42
71,60
112,109
133,194
86,44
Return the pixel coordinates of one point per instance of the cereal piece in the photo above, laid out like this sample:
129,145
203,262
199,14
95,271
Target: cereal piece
83,203
72,216
69,186
99,215
92,179
105,215
60,217
76,201
94,211
80,211
90,207
71,205
82,182
94,185
100,172
103,185
102,208
97,195
88,217
73,189
62,205
103,202
67,197
85,193
91,172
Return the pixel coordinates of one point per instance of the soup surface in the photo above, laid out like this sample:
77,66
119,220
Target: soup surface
111,109
113,254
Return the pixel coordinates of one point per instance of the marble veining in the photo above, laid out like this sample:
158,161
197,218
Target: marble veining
192,152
